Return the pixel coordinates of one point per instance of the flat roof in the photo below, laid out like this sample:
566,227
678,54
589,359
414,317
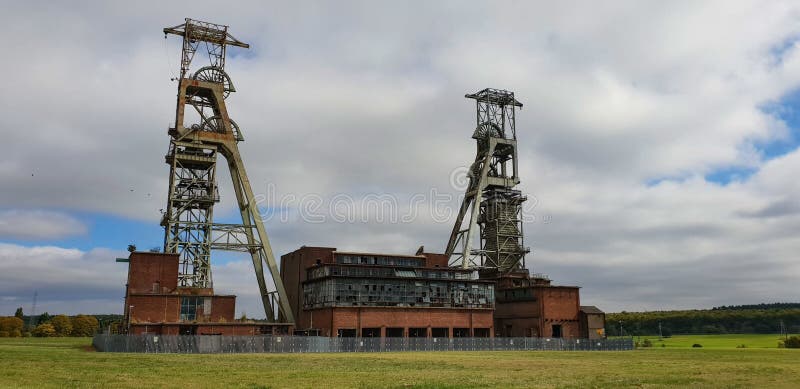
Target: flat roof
380,254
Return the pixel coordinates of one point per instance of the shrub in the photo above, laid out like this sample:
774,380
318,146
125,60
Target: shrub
697,345
647,343
8,325
4,334
62,325
83,325
45,330
792,342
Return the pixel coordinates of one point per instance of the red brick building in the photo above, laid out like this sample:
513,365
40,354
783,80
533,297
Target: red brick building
531,306
348,294
154,303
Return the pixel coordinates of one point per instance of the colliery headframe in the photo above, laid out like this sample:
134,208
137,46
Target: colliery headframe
479,287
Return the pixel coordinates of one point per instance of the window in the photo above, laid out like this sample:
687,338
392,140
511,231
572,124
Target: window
371,332
394,332
189,308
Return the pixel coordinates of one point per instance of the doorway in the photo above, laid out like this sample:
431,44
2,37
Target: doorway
557,330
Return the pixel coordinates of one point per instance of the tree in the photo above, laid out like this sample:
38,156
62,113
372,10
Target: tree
62,325
11,326
45,330
792,342
83,325
19,313
44,318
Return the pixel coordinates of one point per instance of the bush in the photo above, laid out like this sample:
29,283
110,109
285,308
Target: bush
647,343
792,342
45,330
697,345
83,325
62,325
10,325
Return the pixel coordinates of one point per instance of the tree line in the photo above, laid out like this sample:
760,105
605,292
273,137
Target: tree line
747,319
45,325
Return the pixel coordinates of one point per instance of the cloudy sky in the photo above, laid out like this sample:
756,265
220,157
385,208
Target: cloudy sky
658,142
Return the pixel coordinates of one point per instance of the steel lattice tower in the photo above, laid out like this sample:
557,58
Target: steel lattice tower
493,205
192,157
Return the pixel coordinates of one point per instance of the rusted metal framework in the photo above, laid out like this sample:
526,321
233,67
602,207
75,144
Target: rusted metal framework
493,205
192,156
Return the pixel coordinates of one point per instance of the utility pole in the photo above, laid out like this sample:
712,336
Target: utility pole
31,322
783,331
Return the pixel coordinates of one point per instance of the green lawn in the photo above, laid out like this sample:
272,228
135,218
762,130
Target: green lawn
67,363
716,341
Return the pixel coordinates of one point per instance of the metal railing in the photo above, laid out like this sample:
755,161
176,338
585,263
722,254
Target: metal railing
214,344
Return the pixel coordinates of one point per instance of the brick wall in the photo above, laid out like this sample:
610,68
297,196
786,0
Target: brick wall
223,309
518,318
293,272
154,308
552,306
330,320
560,306
435,260
152,272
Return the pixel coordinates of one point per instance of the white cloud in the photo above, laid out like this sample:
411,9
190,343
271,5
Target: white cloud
367,98
66,280
38,225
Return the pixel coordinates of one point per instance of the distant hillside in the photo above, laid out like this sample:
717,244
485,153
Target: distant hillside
104,320
738,319
757,306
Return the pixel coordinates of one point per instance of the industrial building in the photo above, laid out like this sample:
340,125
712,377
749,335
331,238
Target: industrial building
479,287
383,295
155,303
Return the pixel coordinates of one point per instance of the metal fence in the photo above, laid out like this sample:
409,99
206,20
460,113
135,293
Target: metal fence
210,344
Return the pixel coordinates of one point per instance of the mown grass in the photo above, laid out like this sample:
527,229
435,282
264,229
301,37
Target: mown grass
717,341
67,363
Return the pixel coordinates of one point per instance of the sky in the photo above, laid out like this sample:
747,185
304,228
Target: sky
657,144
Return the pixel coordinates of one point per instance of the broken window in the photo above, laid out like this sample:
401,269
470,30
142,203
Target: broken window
395,332
189,308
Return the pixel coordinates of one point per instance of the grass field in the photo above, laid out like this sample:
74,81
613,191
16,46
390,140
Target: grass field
67,363
716,341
